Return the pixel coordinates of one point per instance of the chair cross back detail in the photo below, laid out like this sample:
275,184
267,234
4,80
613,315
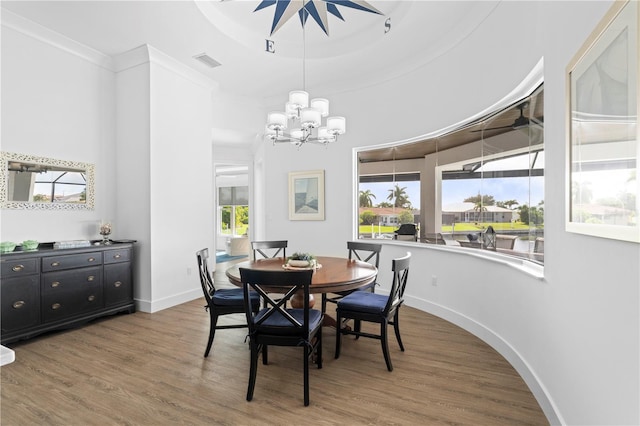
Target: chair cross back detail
276,306
205,276
365,252
400,268
269,249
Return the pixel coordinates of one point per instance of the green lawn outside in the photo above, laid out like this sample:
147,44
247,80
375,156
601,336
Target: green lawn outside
367,229
459,227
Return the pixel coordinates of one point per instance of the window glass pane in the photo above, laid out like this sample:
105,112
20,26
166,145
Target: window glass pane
387,201
482,185
225,219
604,134
241,214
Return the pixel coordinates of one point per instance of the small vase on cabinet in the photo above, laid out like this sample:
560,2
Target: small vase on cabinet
105,231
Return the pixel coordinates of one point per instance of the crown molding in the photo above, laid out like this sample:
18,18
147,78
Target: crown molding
158,57
38,32
148,54
131,58
121,62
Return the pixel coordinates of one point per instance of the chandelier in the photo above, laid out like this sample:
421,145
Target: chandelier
301,122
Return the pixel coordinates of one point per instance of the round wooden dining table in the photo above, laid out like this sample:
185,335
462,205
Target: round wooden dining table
334,274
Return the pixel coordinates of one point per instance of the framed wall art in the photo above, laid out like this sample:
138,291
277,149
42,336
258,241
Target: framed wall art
602,125
306,195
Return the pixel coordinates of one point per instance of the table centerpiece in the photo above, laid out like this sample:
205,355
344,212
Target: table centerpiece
301,260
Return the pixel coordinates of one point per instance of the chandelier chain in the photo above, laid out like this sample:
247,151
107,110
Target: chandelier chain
304,59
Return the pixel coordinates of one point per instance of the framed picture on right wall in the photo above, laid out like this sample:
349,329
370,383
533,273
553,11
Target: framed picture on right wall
603,195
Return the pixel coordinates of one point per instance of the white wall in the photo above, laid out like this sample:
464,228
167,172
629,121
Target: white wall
132,172
57,105
574,336
164,137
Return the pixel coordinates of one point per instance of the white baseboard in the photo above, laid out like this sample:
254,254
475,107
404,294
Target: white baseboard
167,302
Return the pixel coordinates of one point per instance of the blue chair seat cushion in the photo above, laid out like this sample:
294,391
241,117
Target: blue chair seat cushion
363,301
233,296
280,325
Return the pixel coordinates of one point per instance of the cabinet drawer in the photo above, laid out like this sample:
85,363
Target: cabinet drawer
20,303
54,263
117,284
19,267
73,280
114,256
69,293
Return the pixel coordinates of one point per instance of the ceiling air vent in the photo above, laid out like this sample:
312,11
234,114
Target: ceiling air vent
207,60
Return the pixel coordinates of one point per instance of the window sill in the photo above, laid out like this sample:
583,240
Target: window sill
530,268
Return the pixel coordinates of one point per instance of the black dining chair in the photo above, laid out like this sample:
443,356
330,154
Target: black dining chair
221,301
358,250
269,249
276,325
377,308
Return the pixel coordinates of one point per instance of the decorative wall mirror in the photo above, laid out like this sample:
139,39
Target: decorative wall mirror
39,183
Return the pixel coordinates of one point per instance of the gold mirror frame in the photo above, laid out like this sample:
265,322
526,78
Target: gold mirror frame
5,203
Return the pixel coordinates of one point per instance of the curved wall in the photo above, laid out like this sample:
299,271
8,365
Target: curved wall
573,335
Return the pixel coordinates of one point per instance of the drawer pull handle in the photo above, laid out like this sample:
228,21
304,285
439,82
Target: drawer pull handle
117,256
18,304
54,264
117,284
17,268
91,298
56,306
91,259
91,278
55,284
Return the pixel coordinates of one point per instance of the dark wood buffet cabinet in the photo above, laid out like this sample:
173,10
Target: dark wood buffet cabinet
52,289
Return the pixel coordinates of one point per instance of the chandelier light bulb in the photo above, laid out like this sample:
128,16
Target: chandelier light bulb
324,136
336,125
291,110
321,104
277,120
299,99
310,118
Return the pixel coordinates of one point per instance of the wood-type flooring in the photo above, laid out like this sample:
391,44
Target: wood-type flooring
149,369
